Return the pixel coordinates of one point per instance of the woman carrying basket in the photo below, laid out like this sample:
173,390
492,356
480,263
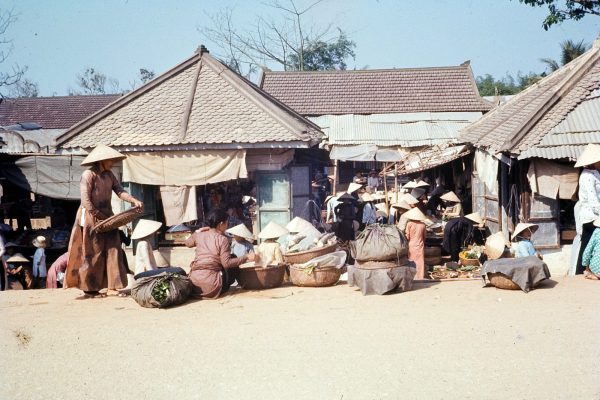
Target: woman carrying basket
95,259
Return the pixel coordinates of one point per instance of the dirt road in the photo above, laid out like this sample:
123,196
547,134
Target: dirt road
454,340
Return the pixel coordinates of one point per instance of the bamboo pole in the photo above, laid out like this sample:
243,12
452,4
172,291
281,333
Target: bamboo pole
387,200
396,180
335,176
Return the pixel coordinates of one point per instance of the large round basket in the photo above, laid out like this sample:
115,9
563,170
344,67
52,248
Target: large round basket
501,281
318,277
118,220
468,261
304,256
257,278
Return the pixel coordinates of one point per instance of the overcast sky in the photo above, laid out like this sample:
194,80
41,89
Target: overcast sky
58,39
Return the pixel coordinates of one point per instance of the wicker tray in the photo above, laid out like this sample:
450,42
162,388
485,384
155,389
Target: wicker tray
303,256
501,281
257,278
118,220
319,277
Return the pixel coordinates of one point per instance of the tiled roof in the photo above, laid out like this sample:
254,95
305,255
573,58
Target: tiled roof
60,112
438,89
200,101
521,124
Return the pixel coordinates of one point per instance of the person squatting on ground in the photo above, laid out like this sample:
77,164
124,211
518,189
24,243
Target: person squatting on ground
213,269
96,259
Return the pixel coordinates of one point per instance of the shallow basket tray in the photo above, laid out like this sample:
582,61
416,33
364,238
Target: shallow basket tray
304,256
501,281
319,277
118,220
257,278
468,261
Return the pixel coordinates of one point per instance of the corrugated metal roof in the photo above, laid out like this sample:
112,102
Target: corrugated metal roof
406,130
568,139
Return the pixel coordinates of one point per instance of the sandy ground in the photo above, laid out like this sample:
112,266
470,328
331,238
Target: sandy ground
451,340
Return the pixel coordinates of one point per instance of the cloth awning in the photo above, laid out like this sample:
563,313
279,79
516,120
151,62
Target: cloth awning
551,179
367,152
51,176
182,168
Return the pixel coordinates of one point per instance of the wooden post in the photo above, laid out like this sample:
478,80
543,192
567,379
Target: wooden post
335,176
387,201
396,180
504,199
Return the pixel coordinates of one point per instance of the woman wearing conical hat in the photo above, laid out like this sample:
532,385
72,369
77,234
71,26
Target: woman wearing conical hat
453,206
269,250
415,234
522,238
241,243
95,259
458,233
587,208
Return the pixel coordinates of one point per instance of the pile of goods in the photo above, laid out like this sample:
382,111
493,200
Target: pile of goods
381,264
324,270
162,290
455,271
309,239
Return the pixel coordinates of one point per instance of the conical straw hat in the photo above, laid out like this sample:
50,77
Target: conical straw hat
417,192
410,185
39,241
521,226
421,183
366,197
381,207
450,196
297,225
494,246
378,196
102,152
145,227
475,217
346,196
409,199
590,155
242,231
17,258
415,214
402,204
272,231
353,187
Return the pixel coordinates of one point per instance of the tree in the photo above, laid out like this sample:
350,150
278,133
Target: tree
12,77
24,88
92,81
146,75
569,50
559,11
285,41
488,86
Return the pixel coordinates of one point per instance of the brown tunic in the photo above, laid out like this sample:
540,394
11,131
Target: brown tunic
95,259
212,254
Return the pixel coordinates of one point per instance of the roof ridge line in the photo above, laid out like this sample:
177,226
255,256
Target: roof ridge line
343,71
126,99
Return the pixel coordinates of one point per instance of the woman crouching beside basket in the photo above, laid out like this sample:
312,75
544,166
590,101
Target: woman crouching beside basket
214,269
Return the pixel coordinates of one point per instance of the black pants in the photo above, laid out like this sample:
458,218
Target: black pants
586,235
229,276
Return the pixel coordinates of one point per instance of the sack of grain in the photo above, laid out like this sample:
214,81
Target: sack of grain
379,243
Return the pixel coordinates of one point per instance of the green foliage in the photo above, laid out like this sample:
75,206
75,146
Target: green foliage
561,10
146,75
569,50
319,55
509,85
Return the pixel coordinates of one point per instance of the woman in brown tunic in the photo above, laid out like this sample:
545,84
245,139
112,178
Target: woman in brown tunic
214,269
95,259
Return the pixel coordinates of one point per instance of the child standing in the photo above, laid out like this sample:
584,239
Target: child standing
242,238
39,262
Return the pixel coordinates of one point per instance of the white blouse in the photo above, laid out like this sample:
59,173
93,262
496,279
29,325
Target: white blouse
589,195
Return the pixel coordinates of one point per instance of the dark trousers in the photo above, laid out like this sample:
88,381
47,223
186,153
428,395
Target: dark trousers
229,276
586,235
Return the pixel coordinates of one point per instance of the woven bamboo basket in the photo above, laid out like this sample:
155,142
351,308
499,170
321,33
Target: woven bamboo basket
318,277
303,256
118,220
257,278
468,261
501,281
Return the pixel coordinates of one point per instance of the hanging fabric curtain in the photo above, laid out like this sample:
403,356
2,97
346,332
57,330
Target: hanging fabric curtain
184,168
56,177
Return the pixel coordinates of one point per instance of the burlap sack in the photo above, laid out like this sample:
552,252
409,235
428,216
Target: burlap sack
179,289
379,243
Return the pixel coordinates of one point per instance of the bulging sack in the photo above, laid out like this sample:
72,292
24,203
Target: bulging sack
379,243
163,290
